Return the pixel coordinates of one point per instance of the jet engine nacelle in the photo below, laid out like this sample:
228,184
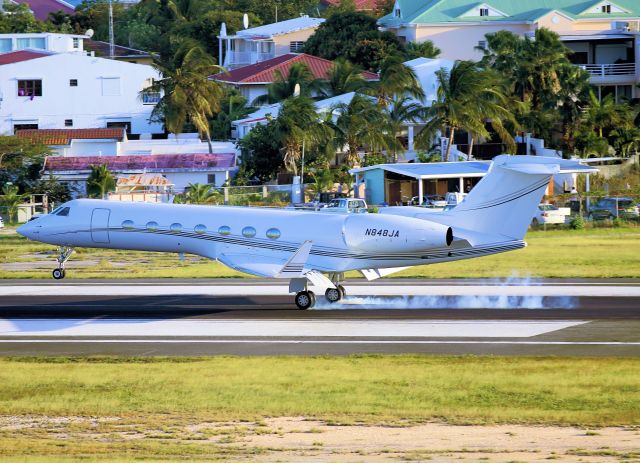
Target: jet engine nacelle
376,233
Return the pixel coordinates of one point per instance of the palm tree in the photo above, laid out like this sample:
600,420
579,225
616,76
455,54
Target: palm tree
467,97
360,123
396,80
297,125
403,111
198,193
602,114
11,199
187,93
284,85
344,77
100,182
426,49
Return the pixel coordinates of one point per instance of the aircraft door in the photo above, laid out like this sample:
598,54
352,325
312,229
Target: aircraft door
100,225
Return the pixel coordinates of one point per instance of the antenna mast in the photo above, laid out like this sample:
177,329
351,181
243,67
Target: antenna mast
111,40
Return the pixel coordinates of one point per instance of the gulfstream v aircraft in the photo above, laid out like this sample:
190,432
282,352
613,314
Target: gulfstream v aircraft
314,248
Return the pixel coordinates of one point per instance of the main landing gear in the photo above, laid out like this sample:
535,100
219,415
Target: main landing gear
335,294
306,299
64,252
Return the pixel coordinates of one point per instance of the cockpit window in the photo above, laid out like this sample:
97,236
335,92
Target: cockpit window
64,212
53,212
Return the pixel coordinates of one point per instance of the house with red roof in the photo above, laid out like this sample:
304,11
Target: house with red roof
256,44
252,81
360,5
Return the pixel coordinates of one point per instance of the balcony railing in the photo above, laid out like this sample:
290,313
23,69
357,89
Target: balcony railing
245,58
604,70
150,98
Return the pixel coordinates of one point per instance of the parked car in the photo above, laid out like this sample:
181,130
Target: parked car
346,205
548,214
1,223
611,208
430,201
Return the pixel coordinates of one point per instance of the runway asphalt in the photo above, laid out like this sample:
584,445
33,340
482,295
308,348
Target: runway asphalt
256,317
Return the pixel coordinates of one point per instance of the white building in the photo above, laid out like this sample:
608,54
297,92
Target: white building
45,41
45,90
250,46
182,160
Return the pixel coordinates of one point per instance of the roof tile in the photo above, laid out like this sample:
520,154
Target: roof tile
64,136
265,71
21,55
149,162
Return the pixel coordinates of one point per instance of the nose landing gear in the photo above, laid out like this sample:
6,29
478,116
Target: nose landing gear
64,253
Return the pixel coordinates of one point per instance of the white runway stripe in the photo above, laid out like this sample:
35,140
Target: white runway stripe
273,290
281,328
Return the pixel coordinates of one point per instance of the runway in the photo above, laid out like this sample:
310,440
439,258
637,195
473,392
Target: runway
256,317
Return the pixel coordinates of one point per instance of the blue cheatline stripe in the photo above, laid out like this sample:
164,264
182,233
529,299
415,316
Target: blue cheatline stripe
430,254
508,198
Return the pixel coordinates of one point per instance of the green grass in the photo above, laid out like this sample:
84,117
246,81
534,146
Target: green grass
592,253
375,389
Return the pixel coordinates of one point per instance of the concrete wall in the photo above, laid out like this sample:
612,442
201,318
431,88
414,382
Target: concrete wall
374,186
89,105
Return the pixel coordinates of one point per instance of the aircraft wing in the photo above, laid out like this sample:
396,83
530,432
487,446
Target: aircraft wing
260,266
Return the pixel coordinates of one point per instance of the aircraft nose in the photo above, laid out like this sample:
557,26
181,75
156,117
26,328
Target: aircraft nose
28,230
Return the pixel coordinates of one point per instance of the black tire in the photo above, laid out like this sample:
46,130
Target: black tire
58,274
305,300
343,291
333,294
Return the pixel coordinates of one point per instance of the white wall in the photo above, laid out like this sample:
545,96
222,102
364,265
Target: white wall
59,43
89,105
181,180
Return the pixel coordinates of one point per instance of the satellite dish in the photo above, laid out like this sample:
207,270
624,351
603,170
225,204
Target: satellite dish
296,90
89,33
245,21
223,30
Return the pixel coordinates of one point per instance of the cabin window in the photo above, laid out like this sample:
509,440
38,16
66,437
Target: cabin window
200,229
127,224
175,227
64,212
152,225
248,232
224,230
273,233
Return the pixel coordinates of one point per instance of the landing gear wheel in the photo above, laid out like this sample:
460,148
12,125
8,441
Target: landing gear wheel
343,292
333,294
305,300
58,274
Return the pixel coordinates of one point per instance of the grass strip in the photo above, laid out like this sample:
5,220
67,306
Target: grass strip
363,388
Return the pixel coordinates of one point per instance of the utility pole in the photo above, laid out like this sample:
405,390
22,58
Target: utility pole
112,44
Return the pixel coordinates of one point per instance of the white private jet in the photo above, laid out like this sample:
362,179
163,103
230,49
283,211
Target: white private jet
313,247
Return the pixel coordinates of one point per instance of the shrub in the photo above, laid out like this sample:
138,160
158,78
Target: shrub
577,223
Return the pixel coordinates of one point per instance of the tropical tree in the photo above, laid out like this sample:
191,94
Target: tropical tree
603,113
403,111
468,96
360,123
261,152
11,199
427,49
396,80
16,152
297,127
626,140
188,95
198,193
284,86
344,77
233,107
100,182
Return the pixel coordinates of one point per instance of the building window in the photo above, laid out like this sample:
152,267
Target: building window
33,42
606,8
5,45
484,11
76,43
111,86
211,179
295,47
397,12
17,127
73,82
68,122
30,88
482,44
118,124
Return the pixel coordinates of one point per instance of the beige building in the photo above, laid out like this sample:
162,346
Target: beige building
251,46
604,35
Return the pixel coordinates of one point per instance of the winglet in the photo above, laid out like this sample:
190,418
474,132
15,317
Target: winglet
295,265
